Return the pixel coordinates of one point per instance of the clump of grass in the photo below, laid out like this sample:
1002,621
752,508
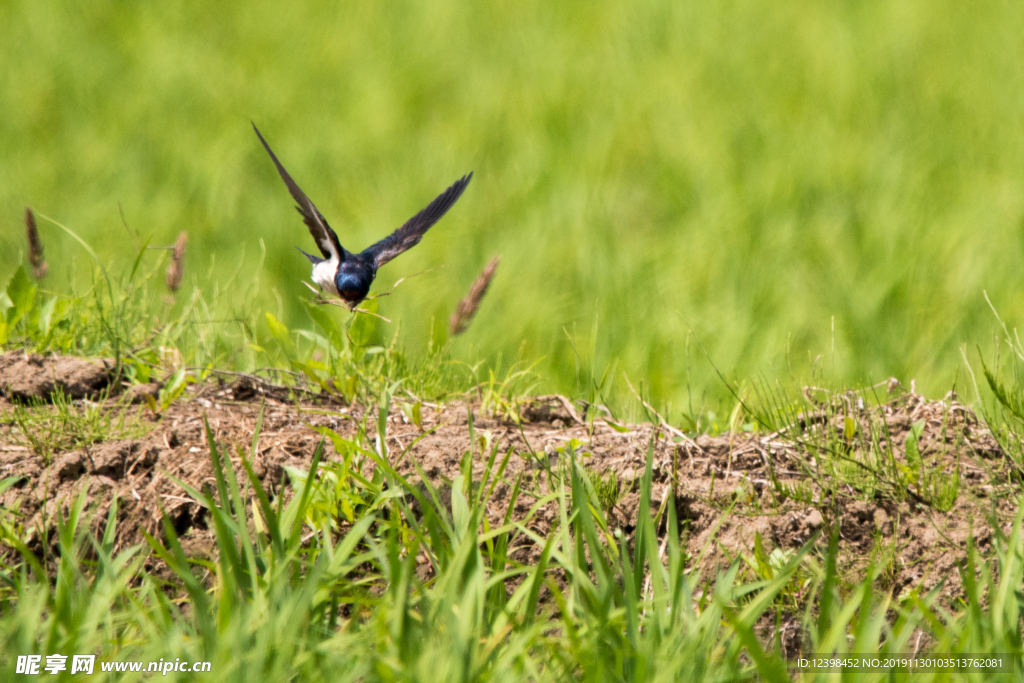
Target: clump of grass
1003,409
608,488
849,440
63,424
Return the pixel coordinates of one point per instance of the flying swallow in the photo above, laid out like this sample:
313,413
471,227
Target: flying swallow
346,274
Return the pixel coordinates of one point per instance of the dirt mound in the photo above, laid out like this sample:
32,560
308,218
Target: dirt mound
728,489
25,376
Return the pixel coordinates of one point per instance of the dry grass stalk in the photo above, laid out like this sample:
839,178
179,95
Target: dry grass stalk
176,270
466,309
320,299
35,246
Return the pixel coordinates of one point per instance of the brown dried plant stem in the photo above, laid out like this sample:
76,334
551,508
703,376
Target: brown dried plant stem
176,270
467,308
35,246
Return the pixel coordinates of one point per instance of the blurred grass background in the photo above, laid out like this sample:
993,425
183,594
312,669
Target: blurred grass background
790,179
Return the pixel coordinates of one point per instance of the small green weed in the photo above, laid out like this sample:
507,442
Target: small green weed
65,425
608,488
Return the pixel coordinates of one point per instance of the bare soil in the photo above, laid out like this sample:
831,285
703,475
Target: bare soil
25,376
724,488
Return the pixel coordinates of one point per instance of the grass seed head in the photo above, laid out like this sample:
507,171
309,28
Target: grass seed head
176,270
35,246
466,309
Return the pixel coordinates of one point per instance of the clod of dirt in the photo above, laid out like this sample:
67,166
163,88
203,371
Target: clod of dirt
68,467
138,393
244,389
25,376
555,410
813,520
115,459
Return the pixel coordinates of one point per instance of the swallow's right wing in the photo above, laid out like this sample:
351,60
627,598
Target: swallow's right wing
325,238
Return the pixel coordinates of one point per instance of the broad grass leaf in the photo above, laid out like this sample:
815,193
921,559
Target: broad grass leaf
280,332
22,293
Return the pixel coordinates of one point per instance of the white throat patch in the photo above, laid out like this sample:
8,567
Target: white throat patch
323,275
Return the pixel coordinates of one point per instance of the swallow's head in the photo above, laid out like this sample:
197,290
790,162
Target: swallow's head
351,287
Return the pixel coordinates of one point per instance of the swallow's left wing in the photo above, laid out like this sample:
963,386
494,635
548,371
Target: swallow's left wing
409,234
325,238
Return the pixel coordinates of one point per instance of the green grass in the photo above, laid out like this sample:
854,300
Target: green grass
68,425
322,583
823,189
786,179
305,594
